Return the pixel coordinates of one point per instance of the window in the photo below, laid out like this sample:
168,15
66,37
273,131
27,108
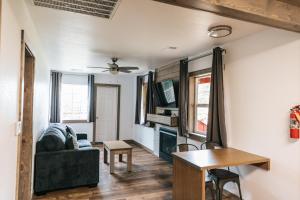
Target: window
74,98
199,101
144,100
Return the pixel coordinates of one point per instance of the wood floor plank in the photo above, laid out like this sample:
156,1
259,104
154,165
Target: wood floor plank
150,179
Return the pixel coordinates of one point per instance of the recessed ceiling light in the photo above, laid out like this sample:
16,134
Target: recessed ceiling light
172,48
76,69
219,31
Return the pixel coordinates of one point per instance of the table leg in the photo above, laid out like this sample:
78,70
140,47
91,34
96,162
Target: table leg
105,155
112,162
202,179
120,157
129,161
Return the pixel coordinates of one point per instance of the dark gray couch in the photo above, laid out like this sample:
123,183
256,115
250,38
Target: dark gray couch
58,165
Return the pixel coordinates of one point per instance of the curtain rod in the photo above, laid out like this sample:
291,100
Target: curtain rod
145,74
75,74
203,55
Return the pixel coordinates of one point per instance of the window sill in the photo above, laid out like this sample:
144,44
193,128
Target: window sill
75,121
197,137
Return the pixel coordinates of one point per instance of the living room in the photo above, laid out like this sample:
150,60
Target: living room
160,76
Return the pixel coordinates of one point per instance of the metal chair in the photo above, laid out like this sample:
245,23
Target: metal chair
187,147
221,176
191,147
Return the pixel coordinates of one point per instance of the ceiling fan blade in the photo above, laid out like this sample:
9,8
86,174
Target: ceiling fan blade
124,70
129,68
106,70
97,67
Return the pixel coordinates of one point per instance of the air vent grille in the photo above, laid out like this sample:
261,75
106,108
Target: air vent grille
99,8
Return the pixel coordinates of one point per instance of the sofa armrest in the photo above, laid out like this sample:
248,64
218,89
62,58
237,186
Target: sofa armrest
66,169
81,136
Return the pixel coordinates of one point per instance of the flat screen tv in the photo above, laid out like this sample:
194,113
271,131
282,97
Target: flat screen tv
167,93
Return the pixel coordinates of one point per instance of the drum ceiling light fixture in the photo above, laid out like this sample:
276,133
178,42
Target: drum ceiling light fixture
219,31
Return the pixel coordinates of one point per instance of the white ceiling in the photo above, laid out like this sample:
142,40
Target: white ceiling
139,34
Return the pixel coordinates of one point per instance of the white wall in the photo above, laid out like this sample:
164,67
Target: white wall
145,136
15,17
8,101
126,107
127,110
261,84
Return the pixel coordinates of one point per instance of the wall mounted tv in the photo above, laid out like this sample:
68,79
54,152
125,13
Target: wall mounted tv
167,93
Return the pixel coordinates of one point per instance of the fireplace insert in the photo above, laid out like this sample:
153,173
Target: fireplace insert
167,143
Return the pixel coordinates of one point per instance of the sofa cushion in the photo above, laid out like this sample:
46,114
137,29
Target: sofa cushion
60,127
84,143
53,140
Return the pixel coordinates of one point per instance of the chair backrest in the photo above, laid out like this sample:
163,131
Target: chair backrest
187,147
210,145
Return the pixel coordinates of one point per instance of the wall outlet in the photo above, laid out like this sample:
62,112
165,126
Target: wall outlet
18,128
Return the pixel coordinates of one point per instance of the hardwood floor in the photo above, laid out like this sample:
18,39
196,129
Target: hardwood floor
150,179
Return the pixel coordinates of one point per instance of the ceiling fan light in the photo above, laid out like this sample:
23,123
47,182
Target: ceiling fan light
114,72
219,31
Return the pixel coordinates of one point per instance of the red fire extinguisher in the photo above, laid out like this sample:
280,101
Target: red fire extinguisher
295,122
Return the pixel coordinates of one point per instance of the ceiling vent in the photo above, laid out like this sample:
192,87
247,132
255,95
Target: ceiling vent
99,8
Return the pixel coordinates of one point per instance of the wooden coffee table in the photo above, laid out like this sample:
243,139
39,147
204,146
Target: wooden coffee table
117,148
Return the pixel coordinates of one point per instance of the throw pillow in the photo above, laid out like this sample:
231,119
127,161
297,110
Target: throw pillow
69,142
74,140
71,131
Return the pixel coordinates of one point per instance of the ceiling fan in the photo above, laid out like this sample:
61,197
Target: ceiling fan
114,68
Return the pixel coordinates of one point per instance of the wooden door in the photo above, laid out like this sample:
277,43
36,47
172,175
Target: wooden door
106,113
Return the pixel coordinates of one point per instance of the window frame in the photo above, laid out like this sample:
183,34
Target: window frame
144,102
193,104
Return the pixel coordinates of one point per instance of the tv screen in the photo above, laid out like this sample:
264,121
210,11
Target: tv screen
168,90
167,93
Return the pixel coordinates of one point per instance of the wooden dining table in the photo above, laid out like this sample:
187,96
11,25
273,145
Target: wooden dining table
189,169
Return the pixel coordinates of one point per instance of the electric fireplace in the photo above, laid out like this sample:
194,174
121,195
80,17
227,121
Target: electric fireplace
167,143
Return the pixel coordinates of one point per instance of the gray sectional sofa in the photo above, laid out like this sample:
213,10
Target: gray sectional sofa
64,159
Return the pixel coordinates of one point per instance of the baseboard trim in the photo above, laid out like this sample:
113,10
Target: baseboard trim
96,143
141,145
129,141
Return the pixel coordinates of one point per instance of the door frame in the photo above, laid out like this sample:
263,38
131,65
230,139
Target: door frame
118,86
25,119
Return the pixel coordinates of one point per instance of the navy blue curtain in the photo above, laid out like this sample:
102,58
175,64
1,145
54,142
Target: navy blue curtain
150,105
139,85
91,96
55,97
